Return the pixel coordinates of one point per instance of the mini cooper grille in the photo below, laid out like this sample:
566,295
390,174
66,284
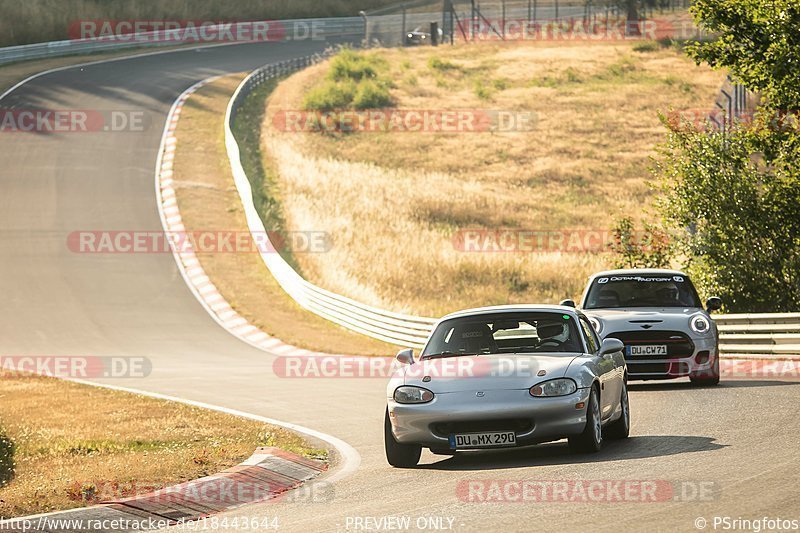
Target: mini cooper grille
679,345
518,425
658,370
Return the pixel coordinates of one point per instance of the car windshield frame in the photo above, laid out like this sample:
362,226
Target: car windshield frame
443,343
686,298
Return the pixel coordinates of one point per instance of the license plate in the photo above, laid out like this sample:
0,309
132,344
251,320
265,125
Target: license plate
483,440
647,349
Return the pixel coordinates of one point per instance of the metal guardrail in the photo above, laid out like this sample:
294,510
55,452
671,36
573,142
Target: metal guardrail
773,334
290,30
394,328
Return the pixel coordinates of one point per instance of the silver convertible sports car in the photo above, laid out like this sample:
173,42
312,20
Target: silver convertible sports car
507,376
658,315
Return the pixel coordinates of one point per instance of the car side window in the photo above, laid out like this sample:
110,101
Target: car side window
591,337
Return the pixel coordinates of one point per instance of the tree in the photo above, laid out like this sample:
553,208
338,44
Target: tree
736,218
733,198
759,41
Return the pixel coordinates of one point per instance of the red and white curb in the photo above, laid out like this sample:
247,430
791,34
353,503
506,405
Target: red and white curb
189,265
270,474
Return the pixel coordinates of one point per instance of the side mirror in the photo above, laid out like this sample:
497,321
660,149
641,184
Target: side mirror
406,357
610,345
713,304
568,303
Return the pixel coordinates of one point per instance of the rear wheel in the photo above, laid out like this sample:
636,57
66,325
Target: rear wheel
620,429
591,440
708,377
397,454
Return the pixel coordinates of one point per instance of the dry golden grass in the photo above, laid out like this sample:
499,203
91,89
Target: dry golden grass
208,201
393,201
69,436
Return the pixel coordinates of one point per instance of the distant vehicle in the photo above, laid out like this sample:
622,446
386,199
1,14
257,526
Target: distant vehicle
507,376
418,36
658,315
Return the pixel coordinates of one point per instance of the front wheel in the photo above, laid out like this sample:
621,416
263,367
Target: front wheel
397,454
591,440
620,429
708,377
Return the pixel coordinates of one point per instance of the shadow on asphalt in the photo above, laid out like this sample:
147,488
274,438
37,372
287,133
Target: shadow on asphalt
557,453
724,384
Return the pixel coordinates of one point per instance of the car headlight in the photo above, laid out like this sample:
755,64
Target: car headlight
700,324
410,35
410,394
554,387
596,324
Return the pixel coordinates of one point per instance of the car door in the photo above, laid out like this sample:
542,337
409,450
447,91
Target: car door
610,389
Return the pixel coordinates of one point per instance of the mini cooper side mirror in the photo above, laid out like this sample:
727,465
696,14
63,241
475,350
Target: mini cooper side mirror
406,357
713,304
610,345
568,303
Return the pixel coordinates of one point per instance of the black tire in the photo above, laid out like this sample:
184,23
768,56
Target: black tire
706,378
399,455
591,440
620,429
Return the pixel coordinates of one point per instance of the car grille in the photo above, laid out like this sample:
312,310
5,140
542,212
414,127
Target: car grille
518,425
656,370
679,345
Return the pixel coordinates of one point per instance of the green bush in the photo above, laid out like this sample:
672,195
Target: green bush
351,65
647,46
331,96
482,91
371,95
7,465
435,63
355,80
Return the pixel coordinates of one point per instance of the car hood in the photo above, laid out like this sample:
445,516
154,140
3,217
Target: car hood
652,318
486,372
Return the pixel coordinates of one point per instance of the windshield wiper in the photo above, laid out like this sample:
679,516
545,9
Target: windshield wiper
446,354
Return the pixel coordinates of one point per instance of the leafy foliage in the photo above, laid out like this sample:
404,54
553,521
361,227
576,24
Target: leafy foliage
649,248
355,80
758,40
736,200
733,198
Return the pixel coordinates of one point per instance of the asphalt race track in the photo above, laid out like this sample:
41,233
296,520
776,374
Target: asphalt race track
737,442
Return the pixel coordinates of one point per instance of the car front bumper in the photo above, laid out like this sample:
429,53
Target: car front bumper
702,360
533,420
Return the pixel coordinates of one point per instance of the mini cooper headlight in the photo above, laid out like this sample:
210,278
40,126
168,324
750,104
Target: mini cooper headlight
554,387
700,324
411,394
596,324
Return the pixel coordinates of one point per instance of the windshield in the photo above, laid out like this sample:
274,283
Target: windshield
504,333
641,291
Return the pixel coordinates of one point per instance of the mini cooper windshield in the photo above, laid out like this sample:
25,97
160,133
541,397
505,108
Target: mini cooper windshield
614,292
505,333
